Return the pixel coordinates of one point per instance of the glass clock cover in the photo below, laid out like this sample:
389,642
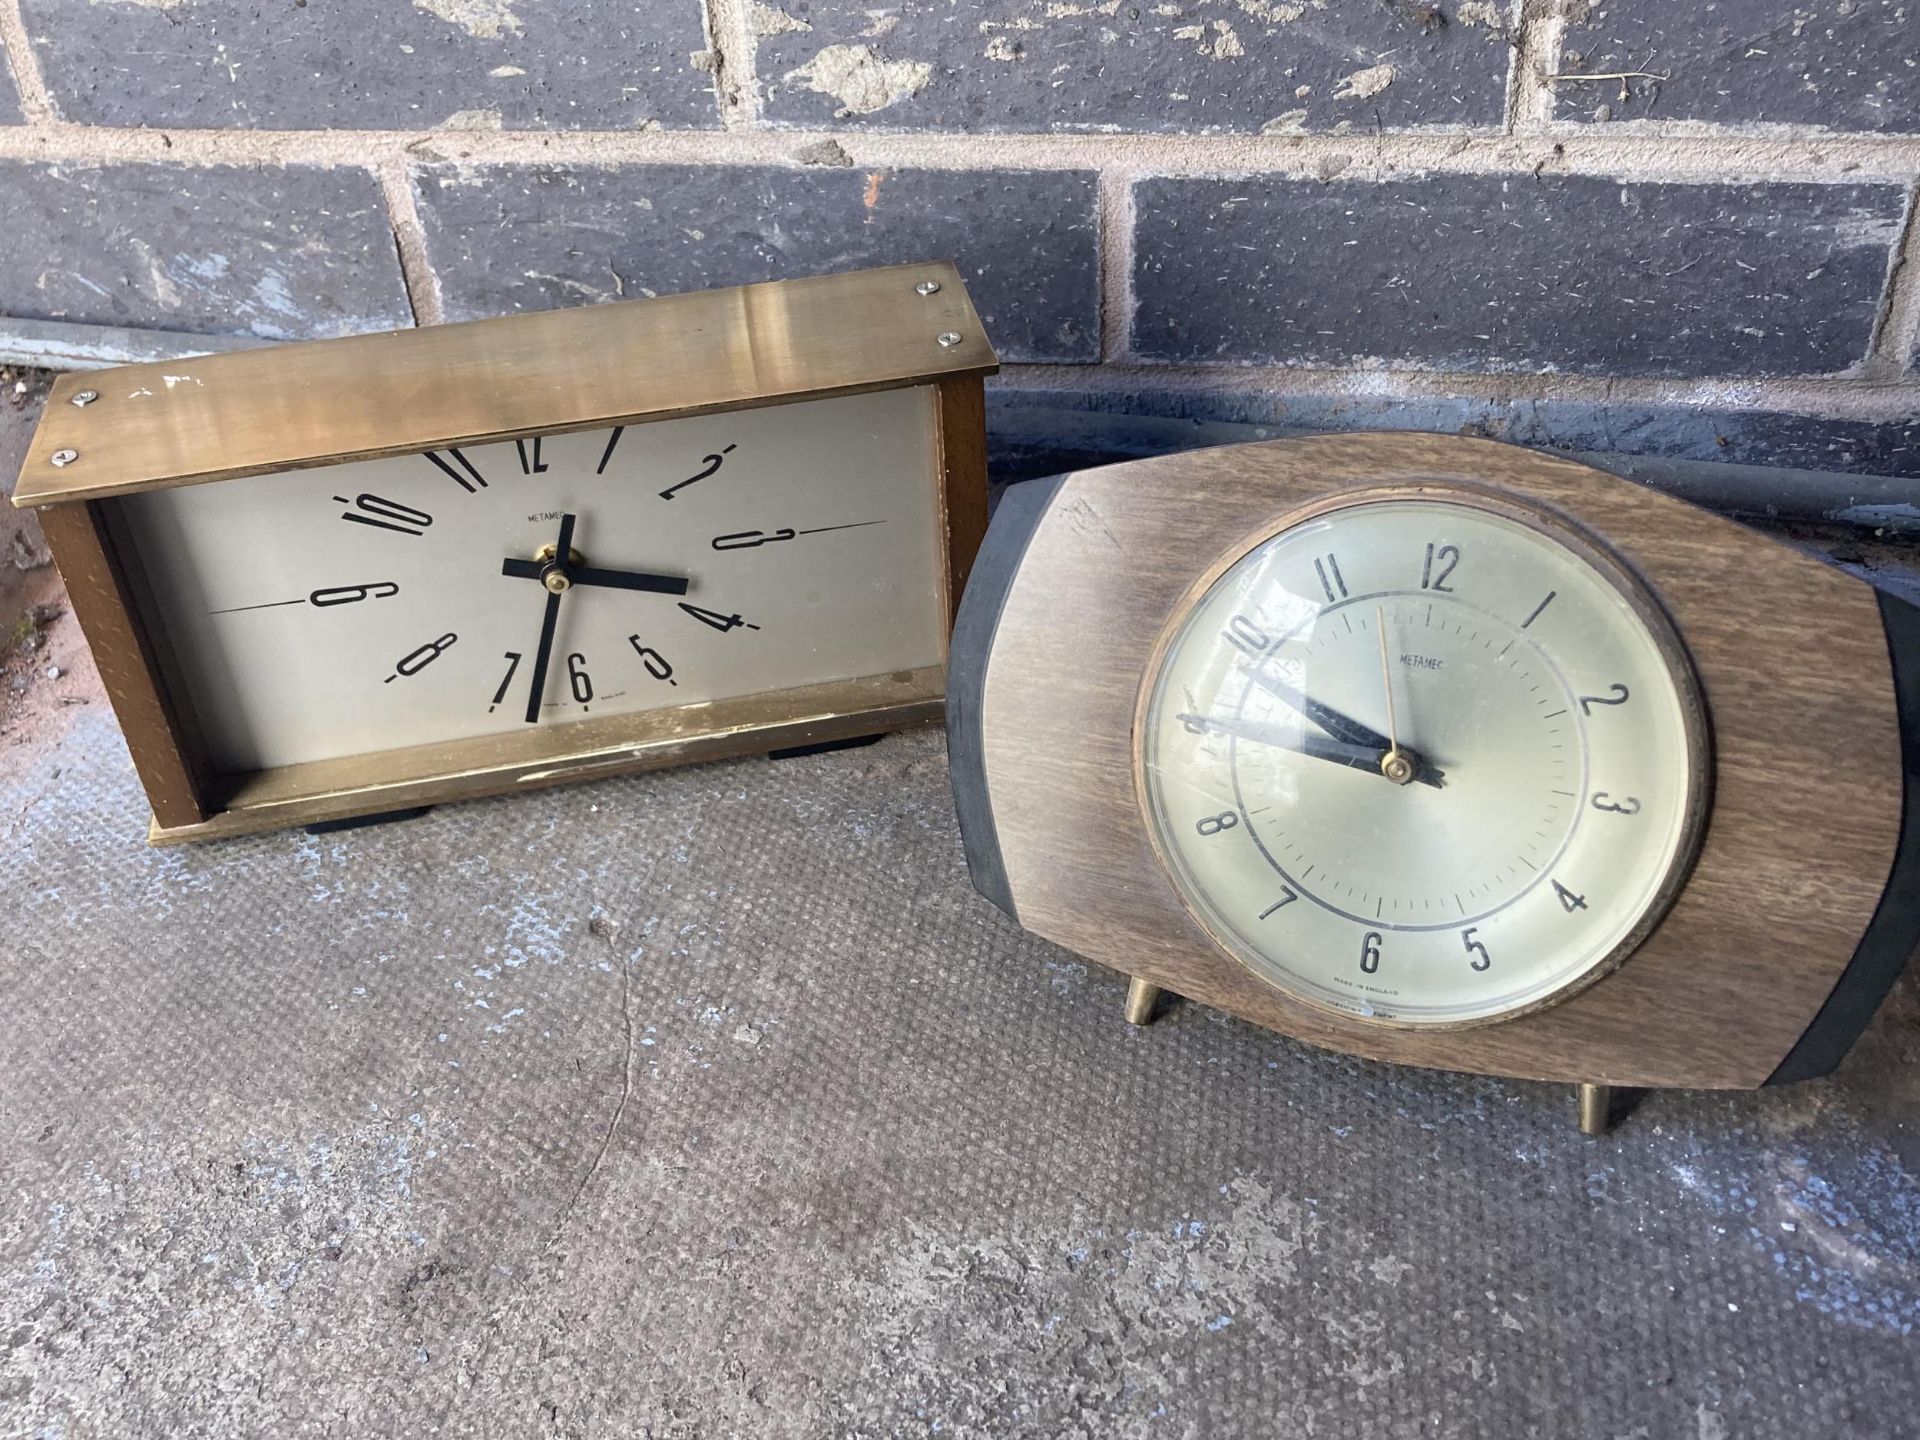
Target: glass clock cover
1423,761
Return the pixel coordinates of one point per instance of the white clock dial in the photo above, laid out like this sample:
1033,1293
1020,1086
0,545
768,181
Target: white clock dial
404,601
1422,762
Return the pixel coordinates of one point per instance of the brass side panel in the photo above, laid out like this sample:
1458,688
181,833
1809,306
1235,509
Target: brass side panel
217,417
162,753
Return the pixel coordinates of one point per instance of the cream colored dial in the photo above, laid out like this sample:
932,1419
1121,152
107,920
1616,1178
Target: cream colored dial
1424,760
412,600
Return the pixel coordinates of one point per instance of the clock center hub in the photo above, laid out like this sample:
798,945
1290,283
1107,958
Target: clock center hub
554,575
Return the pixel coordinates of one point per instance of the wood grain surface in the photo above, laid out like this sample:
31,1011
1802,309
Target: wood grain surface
1792,658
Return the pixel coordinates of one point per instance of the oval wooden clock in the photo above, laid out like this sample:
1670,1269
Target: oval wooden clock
357,576
1440,751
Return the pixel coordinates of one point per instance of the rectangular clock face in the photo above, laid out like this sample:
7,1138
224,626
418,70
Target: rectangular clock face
365,607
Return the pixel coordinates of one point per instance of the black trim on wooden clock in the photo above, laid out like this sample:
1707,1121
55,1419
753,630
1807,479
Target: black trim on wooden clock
1891,935
1018,515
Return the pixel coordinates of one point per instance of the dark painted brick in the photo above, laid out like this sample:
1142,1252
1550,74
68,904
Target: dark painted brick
1841,64
582,64
519,238
280,253
1095,65
1476,272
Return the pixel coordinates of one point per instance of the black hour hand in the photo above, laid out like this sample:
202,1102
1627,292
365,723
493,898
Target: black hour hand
1366,758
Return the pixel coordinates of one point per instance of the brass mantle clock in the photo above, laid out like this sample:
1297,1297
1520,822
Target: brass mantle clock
356,576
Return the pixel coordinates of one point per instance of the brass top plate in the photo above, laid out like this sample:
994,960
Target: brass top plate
218,417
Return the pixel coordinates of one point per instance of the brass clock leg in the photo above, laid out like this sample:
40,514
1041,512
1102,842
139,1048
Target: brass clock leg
1143,997
1596,1109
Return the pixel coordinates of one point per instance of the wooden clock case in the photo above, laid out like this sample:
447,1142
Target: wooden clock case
1802,906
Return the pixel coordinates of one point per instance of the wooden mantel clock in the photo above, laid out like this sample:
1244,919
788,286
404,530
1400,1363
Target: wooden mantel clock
357,576
1440,751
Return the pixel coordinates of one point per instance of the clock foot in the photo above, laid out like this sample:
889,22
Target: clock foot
1143,998
361,822
823,747
1596,1109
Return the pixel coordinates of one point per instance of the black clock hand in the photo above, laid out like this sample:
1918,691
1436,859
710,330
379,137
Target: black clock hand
591,575
1343,728
549,621
1358,757
1339,726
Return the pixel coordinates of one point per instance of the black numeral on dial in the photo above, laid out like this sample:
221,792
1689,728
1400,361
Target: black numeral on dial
713,463
1214,824
1328,569
1481,960
656,663
530,461
722,623
384,514
1370,952
348,594
1447,556
414,661
613,439
1616,695
1287,896
513,664
1246,637
578,678
466,477
1628,805
1569,901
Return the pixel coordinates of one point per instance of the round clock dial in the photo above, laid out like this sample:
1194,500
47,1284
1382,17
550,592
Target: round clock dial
1424,759
534,582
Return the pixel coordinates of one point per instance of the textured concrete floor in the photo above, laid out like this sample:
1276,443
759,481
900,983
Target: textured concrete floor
714,1103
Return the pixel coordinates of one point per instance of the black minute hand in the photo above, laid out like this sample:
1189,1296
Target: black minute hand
1341,727
592,575
549,621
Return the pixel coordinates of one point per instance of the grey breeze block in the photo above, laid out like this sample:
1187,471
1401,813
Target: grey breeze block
524,238
1502,273
281,253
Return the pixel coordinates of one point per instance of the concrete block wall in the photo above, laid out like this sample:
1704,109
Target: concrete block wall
1682,227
